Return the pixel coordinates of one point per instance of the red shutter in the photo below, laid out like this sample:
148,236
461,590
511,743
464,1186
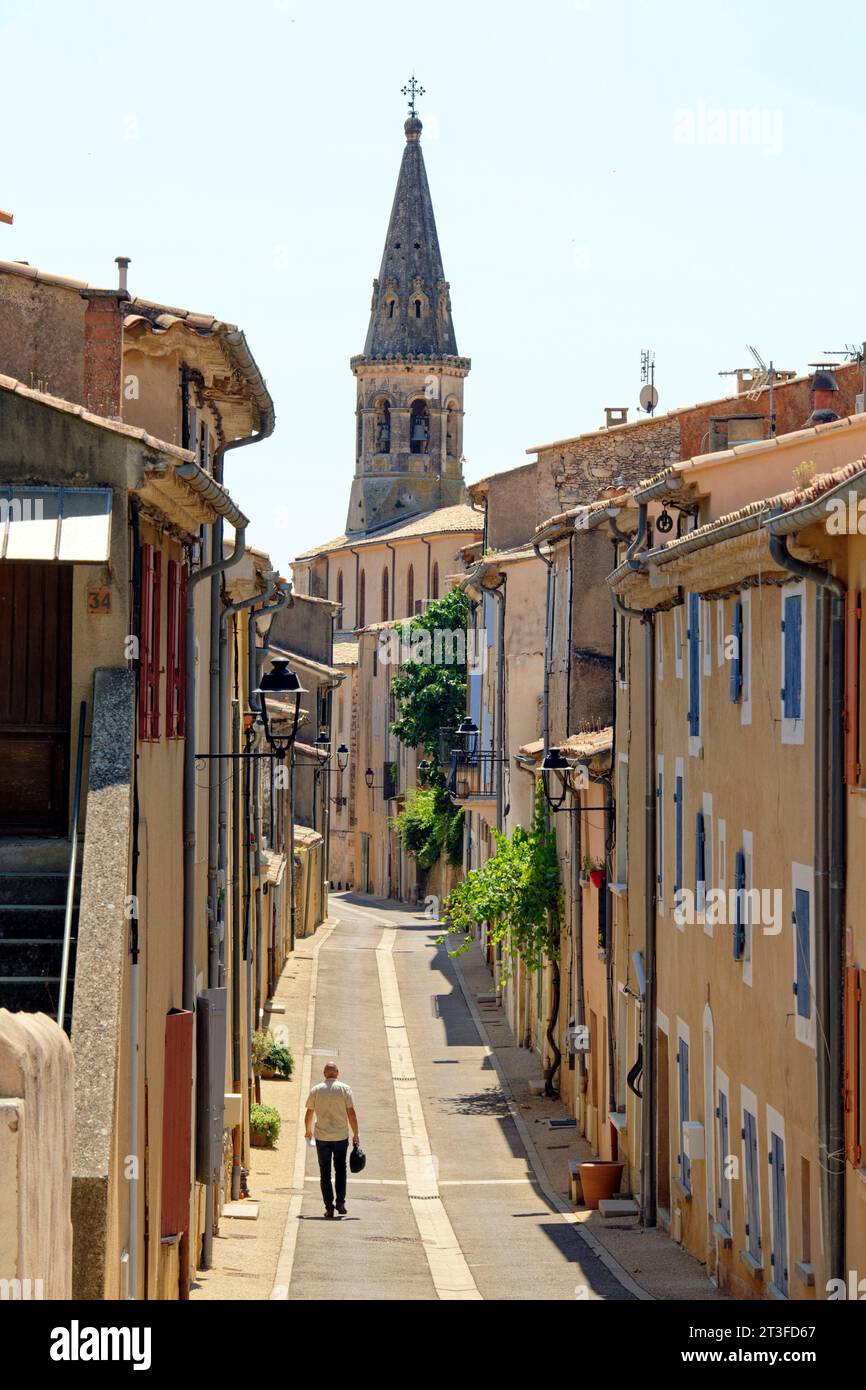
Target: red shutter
149,668
175,685
176,1124
853,993
852,688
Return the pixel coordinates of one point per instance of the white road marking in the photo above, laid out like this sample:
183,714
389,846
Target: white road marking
283,1272
449,1271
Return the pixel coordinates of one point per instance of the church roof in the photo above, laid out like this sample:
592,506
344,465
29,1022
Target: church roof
411,269
445,519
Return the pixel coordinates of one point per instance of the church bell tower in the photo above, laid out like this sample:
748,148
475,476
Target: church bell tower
409,414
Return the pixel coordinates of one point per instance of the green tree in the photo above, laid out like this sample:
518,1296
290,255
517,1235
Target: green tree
518,893
430,695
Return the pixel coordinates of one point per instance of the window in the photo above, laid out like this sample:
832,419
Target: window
149,644
660,647
724,1128
720,632
793,664
417,308
386,611
700,863
683,1160
707,634
804,953
410,591
340,598
435,593
736,680
746,658
740,909
383,426
175,684
852,688
693,636
854,1041
749,1134
362,600
678,643
622,660
419,428
778,1202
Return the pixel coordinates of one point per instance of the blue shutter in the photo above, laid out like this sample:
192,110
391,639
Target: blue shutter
678,802
694,640
792,628
724,1150
803,984
779,1256
660,832
737,663
739,942
699,862
685,1162
753,1226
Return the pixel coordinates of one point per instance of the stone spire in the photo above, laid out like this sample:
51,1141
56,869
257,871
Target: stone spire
411,309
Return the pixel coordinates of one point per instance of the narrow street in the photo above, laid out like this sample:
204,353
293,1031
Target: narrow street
448,1205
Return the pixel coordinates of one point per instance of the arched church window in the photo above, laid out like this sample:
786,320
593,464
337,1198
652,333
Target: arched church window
419,428
383,427
435,586
410,592
362,599
451,430
417,308
391,303
385,605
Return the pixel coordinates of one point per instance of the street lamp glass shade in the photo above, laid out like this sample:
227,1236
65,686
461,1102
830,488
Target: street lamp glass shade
342,757
467,738
280,681
368,776
554,777
423,770
323,746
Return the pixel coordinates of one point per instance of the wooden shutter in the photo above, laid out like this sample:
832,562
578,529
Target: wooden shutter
803,984
678,867
736,688
853,997
739,942
685,1161
694,641
175,685
176,1123
852,688
149,668
792,628
700,859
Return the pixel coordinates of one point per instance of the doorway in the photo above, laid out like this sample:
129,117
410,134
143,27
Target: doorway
35,696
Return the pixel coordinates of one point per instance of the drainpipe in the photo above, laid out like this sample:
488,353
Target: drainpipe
577,902
134,927
830,873
568,655
549,606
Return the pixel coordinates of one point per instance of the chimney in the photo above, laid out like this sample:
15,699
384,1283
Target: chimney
103,346
615,415
823,387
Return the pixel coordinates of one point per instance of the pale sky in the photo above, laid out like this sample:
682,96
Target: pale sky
607,175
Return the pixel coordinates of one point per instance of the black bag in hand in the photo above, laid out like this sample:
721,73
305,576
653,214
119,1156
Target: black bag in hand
357,1159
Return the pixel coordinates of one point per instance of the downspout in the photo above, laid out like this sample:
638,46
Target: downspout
648,1156
134,927
577,902
830,873
569,641
605,779
550,599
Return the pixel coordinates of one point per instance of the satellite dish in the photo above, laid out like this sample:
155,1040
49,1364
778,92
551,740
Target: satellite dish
649,397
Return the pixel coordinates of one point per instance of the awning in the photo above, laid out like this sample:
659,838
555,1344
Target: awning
55,523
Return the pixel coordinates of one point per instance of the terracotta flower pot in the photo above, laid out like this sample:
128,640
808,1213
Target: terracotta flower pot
259,1141
600,1179
597,876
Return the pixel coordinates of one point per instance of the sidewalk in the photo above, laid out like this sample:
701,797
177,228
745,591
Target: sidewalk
659,1266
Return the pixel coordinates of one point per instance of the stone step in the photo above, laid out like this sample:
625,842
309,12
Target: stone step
33,956
17,889
618,1206
34,995
21,920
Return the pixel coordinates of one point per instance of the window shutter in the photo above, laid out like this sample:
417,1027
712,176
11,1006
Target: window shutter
739,913
148,669
694,639
678,800
792,632
737,662
803,985
852,687
853,994
700,858
175,685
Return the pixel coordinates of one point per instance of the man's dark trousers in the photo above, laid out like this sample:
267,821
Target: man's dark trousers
326,1150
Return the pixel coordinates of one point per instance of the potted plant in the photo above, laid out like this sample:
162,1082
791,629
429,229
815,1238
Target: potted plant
584,871
600,1179
270,1057
265,1125
596,874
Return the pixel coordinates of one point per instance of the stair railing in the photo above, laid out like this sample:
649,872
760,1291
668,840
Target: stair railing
73,864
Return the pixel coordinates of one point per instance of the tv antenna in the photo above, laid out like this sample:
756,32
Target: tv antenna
760,378
649,396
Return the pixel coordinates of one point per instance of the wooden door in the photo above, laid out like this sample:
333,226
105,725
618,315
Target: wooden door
35,694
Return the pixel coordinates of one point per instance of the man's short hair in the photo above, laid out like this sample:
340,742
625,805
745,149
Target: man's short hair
331,1067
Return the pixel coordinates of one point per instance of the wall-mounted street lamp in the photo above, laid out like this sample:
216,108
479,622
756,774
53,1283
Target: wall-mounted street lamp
369,776
554,778
280,681
424,769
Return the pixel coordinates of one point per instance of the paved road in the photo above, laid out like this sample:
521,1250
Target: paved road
449,1207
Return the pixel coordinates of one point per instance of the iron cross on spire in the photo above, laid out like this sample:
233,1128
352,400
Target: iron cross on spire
412,90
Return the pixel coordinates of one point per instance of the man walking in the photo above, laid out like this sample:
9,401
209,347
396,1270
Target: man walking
334,1109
